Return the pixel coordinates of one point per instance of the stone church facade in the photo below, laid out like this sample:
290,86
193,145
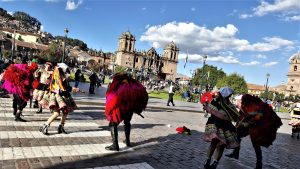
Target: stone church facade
293,84
149,62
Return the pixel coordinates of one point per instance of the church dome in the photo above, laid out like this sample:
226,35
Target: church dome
127,35
171,46
296,56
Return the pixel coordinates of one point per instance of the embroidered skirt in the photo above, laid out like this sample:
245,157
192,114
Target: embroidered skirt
57,102
222,130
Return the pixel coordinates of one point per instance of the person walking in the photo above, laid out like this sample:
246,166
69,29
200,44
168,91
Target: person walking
77,78
93,80
18,80
58,100
219,130
171,94
43,86
259,121
124,97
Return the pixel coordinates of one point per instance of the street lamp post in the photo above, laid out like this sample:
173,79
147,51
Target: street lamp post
64,51
2,46
13,46
203,70
266,91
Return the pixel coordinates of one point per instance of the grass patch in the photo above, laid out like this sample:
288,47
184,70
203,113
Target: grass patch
163,95
72,78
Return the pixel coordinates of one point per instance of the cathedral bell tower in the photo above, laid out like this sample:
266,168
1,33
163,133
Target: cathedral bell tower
126,42
293,85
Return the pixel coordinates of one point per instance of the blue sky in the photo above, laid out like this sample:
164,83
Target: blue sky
250,37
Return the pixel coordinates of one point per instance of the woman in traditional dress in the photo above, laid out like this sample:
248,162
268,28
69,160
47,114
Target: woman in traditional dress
219,130
44,76
58,99
260,122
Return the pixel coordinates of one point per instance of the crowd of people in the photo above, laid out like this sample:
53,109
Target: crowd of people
227,125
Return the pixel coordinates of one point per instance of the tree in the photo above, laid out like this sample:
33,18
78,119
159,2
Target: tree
214,75
27,21
234,81
120,69
73,42
5,14
52,54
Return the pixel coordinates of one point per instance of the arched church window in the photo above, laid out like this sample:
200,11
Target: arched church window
137,60
295,68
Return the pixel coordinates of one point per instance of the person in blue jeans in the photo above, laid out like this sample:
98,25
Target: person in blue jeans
77,78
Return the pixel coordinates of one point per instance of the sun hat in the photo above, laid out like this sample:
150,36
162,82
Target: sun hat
238,97
226,91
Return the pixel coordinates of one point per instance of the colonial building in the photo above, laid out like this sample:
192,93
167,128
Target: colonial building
255,89
165,65
293,85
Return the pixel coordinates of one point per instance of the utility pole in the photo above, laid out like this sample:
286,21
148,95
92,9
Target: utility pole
266,91
64,51
13,46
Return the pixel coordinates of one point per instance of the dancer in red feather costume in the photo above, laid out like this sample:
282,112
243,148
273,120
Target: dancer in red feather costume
124,97
18,80
260,122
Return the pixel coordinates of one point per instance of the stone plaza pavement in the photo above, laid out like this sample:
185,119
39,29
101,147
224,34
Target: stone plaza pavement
155,141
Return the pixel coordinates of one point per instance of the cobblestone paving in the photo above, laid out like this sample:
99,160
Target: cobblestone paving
155,142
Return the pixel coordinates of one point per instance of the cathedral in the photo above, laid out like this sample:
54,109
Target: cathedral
149,62
293,85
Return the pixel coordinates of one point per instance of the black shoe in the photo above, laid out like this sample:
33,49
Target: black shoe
20,119
44,129
168,105
207,164
258,165
40,110
234,154
114,136
127,128
173,104
112,148
213,165
61,129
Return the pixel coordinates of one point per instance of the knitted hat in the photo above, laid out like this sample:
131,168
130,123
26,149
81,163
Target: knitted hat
226,91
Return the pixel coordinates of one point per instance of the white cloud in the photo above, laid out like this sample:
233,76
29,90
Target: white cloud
193,9
292,18
221,59
252,63
269,64
71,5
144,8
233,12
271,43
245,16
199,40
260,56
288,10
147,26
279,6
42,28
11,13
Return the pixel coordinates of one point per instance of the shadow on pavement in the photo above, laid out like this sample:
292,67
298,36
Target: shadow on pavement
183,151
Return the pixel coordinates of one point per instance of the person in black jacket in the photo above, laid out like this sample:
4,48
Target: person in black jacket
93,79
77,77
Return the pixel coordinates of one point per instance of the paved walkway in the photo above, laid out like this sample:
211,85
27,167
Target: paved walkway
155,141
